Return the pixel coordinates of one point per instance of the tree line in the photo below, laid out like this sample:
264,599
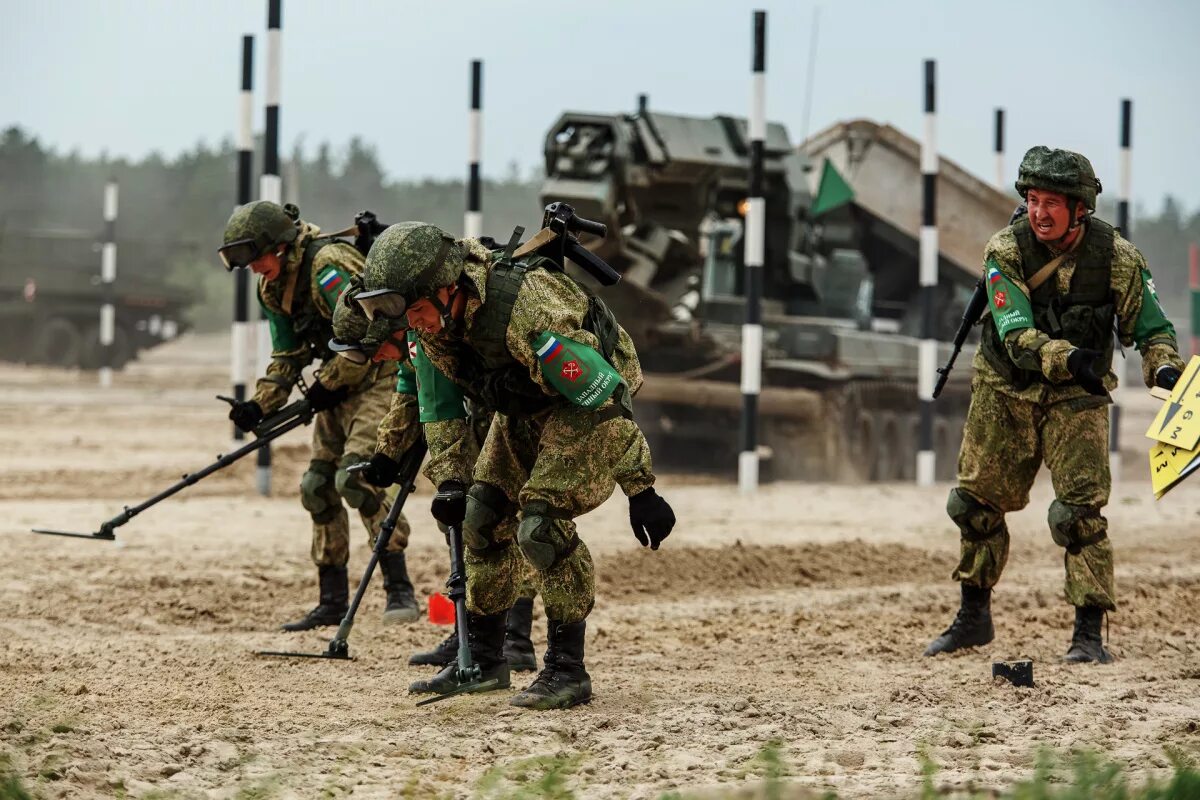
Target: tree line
176,209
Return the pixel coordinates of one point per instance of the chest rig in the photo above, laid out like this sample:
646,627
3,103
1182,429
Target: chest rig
490,329
313,329
1083,316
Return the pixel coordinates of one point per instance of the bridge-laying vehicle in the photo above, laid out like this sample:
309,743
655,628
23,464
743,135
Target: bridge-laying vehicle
840,313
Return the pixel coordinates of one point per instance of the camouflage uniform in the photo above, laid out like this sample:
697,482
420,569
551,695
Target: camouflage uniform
299,306
1012,429
537,472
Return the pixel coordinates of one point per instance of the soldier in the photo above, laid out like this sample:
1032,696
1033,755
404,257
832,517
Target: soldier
455,430
302,274
1058,280
529,342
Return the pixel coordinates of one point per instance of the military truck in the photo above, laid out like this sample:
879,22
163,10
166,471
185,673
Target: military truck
50,297
839,309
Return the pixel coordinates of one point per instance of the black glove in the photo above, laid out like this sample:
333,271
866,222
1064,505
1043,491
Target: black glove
1166,377
1081,363
322,398
246,415
511,391
449,505
651,518
380,471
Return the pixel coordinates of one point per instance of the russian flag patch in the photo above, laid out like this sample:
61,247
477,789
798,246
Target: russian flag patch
551,350
993,275
329,279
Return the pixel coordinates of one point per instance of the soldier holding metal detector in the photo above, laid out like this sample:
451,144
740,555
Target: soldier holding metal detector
526,340
302,275
1057,283
425,401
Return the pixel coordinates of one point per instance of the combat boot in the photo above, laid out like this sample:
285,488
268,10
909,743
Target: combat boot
401,604
518,647
1086,644
441,655
972,625
485,638
563,682
332,607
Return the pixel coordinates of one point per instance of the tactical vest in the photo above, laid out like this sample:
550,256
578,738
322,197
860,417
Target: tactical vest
1084,316
490,328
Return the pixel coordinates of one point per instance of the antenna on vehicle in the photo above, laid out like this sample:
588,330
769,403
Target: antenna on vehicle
812,68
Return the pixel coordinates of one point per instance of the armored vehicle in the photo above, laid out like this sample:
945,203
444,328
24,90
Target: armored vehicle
839,310
50,297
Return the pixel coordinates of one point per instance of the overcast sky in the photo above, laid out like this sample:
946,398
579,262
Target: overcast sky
134,76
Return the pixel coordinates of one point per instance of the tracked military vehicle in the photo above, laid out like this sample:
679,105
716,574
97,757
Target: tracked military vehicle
50,296
839,309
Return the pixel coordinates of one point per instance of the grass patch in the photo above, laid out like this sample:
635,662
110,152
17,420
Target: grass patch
534,778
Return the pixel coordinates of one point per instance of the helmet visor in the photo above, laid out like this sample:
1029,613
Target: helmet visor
239,254
354,353
382,303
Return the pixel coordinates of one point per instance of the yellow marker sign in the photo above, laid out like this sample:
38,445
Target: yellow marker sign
1175,453
1178,422
1169,465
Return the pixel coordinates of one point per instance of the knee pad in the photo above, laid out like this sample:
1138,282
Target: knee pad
542,537
317,492
975,519
357,493
487,506
1076,527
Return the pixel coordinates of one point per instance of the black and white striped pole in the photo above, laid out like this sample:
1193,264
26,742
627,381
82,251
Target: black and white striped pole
999,148
240,330
270,187
1124,189
928,279
756,210
108,276
473,219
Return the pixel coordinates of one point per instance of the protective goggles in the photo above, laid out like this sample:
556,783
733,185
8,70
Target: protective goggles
383,303
389,350
241,253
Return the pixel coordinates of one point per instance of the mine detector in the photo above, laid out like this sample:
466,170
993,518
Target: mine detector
840,312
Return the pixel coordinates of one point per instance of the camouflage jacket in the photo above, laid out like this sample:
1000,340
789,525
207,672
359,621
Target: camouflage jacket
1139,319
548,301
300,317
453,443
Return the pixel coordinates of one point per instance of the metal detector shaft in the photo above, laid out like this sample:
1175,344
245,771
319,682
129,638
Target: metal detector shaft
469,674
467,670
409,467
304,417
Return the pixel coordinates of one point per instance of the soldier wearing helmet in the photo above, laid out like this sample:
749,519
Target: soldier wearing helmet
1059,282
301,276
526,341
454,430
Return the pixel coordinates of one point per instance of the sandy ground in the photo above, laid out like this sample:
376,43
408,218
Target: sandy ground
797,616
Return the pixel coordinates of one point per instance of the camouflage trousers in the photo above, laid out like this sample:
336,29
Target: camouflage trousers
534,476
1005,441
342,436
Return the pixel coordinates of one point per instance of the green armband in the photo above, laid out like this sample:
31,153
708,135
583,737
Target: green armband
1010,307
1152,321
578,372
438,397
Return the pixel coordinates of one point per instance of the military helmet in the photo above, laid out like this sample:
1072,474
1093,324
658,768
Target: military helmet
407,262
255,228
1060,171
354,336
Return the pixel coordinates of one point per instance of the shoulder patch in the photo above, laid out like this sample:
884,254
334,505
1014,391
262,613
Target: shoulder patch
331,282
